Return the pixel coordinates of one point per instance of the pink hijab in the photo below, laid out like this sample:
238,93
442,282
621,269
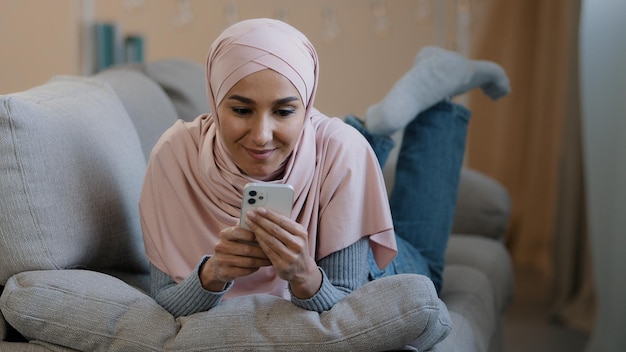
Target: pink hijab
193,188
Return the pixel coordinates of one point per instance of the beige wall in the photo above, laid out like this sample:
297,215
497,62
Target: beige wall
39,39
357,67
356,58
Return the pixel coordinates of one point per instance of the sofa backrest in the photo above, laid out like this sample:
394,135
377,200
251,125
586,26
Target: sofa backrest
184,83
71,171
147,105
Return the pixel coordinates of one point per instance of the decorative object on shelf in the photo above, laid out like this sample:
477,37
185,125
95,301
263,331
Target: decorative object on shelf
112,47
107,46
134,48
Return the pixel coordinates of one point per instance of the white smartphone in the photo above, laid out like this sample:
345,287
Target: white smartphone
278,197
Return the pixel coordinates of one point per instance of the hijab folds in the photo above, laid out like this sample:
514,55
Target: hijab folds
193,188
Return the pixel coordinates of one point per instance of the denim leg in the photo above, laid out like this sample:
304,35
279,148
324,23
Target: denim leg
408,260
425,189
381,145
424,195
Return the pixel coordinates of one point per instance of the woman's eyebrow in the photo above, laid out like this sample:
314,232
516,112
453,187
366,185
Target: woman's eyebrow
251,101
242,99
286,100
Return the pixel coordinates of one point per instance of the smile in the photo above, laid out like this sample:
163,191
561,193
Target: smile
260,154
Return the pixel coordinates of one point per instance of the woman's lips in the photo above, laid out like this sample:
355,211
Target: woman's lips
260,154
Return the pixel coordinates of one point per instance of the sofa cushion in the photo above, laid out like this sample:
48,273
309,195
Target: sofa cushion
92,311
71,170
483,205
35,346
470,300
488,256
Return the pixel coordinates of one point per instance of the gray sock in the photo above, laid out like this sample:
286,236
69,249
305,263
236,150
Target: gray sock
436,75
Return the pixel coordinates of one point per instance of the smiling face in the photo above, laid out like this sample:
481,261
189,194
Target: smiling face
260,121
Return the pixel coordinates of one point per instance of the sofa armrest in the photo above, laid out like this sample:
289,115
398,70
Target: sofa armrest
483,205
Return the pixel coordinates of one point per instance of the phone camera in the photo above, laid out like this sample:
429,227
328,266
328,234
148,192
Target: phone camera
251,200
252,193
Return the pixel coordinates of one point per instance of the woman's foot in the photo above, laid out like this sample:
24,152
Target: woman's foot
436,75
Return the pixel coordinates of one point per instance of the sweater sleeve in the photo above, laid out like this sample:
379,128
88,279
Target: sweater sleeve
342,272
186,297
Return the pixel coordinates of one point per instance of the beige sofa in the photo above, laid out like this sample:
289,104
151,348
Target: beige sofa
73,273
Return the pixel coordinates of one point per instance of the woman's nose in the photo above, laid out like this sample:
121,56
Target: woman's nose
262,130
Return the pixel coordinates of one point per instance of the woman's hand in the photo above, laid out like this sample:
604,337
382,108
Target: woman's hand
285,242
236,254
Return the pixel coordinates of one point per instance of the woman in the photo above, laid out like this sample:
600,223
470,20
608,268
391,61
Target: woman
261,82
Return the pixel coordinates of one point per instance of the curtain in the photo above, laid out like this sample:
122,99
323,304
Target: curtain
530,142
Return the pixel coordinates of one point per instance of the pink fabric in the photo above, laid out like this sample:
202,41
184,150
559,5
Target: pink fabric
193,189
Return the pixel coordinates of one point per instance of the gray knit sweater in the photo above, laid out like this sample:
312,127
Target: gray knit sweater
342,272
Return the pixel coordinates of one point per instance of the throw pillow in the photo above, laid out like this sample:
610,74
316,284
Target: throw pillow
86,311
92,311
71,170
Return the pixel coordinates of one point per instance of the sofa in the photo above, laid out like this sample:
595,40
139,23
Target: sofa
74,275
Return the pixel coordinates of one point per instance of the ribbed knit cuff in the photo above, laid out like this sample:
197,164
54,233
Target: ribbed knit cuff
324,299
189,297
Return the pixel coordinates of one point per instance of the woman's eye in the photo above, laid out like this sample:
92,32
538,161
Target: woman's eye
241,111
284,112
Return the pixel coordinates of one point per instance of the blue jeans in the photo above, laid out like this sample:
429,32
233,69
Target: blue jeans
423,198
